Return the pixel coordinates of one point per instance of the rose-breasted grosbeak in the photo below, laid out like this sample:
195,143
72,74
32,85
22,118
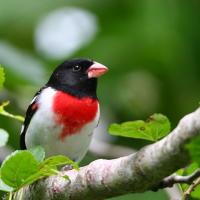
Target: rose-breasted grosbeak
64,113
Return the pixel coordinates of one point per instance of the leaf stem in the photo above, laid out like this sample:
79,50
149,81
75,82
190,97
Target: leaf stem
7,114
17,117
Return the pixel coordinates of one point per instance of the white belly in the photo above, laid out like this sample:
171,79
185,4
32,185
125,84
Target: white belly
44,131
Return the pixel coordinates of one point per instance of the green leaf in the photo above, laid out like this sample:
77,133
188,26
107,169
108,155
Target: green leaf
17,167
7,114
55,161
49,167
194,150
41,173
66,177
2,76
3,137
160,126
4,187
24,167
154,128
38,152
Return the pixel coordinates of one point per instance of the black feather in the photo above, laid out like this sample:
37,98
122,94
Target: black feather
29,114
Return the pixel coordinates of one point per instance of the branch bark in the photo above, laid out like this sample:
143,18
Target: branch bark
174,178
137,172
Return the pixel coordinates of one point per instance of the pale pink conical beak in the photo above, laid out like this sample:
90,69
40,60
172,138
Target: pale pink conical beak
96,70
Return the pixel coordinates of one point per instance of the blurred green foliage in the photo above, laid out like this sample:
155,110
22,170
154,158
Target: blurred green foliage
2,76
151,47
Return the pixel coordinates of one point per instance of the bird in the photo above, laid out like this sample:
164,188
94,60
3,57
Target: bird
63,114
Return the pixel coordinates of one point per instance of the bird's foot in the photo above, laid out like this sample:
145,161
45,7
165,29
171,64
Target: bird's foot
66,168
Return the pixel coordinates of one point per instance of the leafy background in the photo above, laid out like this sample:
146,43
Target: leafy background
151,48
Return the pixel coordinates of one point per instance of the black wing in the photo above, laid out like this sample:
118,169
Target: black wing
29,114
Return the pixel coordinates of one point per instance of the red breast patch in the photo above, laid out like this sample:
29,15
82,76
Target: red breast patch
73,112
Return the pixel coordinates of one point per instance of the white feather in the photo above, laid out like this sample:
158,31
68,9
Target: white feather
43,130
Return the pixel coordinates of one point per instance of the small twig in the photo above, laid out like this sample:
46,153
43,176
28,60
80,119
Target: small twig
191,188
173,179
7,114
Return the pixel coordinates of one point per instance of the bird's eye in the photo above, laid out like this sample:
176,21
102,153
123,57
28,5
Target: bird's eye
76,68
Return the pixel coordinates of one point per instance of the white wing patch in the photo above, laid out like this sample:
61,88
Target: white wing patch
22,129
34,99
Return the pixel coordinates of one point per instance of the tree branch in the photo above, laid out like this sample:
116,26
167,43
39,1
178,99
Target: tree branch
191,188
137,172
174,178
